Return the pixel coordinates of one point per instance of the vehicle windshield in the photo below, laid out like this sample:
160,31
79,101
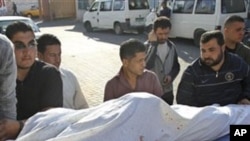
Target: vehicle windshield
4,24
138,4
233,6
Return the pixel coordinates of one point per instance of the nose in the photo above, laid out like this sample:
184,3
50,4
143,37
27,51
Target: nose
26,51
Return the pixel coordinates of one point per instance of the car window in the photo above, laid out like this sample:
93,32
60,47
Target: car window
138,4
94,7
183,6
233,6
105,6
205,7
118,5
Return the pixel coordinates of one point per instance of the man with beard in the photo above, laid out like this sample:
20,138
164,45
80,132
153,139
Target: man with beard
234,30
132,77
162,56
216,77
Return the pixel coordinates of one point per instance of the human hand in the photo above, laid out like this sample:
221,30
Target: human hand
9,129
167,80
151,36
244,102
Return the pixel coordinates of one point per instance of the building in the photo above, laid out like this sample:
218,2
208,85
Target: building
56,9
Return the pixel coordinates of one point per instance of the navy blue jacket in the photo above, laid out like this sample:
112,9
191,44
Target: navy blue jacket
201,86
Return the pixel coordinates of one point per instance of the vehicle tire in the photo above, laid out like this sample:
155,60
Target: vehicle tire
197,36
140,30
118,28
88,27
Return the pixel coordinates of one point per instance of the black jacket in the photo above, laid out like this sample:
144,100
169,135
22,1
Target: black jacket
201,86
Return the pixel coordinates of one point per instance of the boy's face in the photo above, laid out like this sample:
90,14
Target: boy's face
25,49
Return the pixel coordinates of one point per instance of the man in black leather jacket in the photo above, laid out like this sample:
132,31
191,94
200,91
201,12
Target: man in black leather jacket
217,77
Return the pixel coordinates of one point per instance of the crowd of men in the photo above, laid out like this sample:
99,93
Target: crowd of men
221,75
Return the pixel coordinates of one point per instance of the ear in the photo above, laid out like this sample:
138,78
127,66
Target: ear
40,55
125,62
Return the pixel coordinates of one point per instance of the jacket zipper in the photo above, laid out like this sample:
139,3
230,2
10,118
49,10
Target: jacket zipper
217,74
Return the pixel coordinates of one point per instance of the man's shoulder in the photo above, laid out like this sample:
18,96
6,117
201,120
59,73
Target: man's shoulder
244,47
149,73
43,67
234,59
194,66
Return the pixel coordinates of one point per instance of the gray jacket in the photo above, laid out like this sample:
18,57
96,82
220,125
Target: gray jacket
170,66
8,74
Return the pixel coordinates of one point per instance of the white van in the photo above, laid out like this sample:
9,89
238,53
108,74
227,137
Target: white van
191,18
119,15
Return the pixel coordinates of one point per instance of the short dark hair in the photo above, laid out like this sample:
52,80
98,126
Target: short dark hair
130,47
16,27
162,22
45,40
214,34
232,19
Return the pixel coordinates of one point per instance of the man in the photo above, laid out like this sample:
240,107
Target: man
217,77
39,85
49,51
132,76
14,7
8,72
234,30
162,57
165,11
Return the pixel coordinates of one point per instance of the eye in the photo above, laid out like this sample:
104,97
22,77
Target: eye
19,45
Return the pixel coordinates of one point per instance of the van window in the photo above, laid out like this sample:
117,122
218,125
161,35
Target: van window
94,7
205,7
183,6
233,6
105,6
119,5
138,4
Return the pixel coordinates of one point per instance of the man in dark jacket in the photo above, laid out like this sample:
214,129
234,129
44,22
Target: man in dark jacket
234,30
39,85
217,77
165,11
162,57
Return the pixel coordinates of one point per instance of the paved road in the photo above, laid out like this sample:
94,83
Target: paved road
94,57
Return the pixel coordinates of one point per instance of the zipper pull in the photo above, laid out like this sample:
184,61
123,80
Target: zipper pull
216,74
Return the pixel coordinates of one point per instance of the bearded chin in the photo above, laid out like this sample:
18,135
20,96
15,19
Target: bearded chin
214,62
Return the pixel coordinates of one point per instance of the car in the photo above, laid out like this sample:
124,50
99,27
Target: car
6,20
32,12
119,15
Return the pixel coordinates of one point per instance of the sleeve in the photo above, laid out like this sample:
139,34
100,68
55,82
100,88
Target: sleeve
176,67
157,86
109,91
247,54
246,84
79,99
8,75
51,95
186,90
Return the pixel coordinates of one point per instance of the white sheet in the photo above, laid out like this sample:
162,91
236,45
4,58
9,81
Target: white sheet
135,117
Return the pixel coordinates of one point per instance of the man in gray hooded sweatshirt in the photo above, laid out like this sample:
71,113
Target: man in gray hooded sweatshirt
162,57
